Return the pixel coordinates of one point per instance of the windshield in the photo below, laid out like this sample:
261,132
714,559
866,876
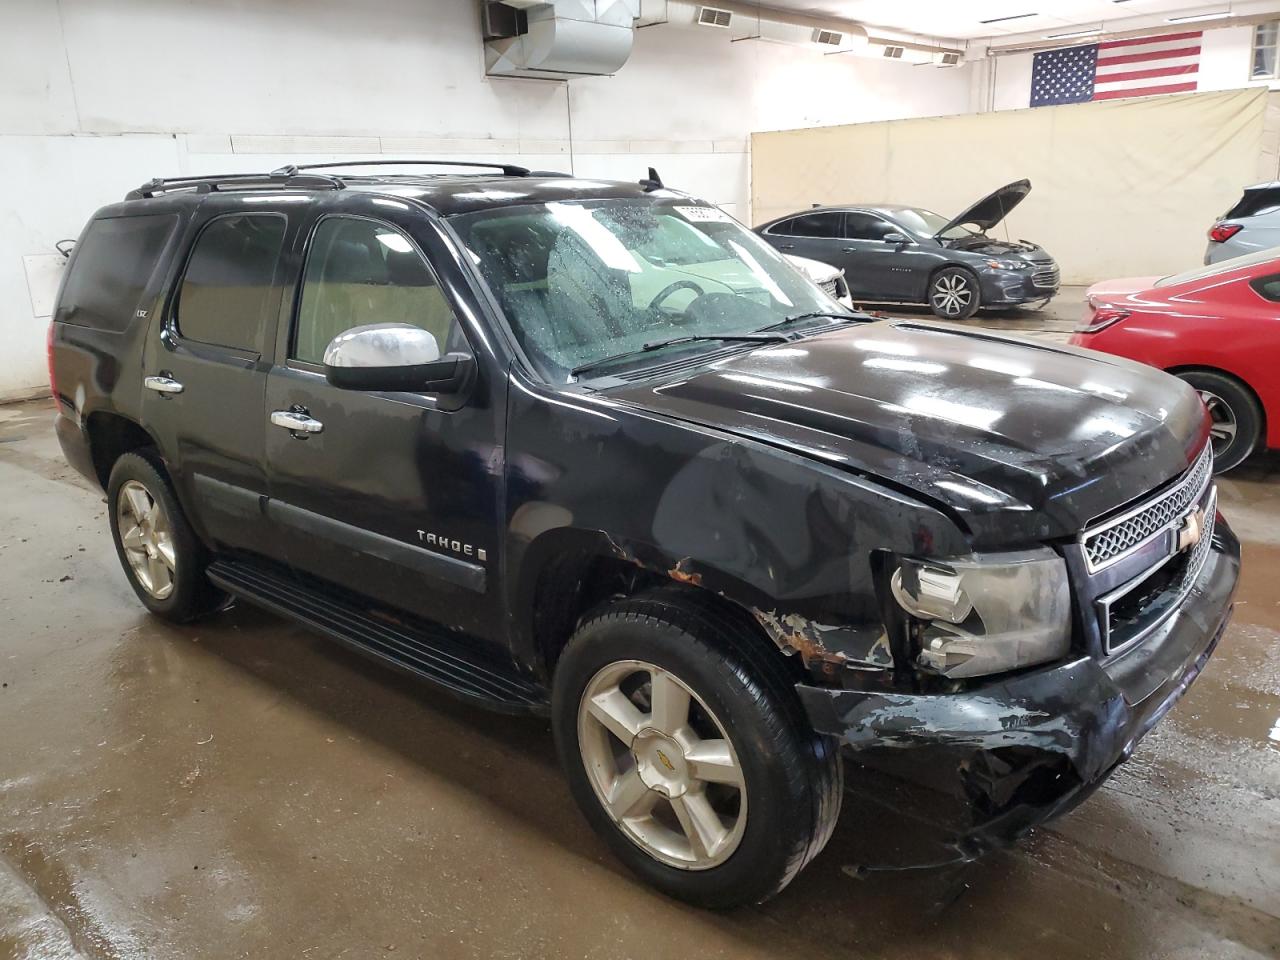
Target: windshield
583,281
1222,266
928,223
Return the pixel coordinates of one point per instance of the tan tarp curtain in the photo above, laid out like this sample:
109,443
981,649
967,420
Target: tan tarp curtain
1119,188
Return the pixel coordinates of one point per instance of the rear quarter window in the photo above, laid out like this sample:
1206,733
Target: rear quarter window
1268,287
1255,203
110,270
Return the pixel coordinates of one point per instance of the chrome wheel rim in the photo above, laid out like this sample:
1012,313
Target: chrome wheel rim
1222,433
952,294
147,539
662,765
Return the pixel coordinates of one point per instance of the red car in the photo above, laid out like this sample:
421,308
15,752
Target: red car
1217,327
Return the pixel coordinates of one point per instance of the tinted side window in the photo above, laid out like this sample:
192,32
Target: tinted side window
110,270
864,226
228,292
812,225
1267,287
360,272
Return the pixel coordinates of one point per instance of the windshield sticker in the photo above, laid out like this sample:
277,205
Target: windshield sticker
703,214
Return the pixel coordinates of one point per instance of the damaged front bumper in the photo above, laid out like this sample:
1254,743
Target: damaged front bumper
986,765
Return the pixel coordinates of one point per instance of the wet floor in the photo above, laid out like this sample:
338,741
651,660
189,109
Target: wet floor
243,788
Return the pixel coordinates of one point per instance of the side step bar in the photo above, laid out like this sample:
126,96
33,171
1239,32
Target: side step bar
432,653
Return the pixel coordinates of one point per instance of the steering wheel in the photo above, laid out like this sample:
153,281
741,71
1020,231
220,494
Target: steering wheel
671,288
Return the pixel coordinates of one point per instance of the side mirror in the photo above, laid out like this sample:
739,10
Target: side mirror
394,356
899,238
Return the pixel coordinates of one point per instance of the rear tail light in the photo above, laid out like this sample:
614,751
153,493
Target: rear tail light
1102,317
48,344
1221,232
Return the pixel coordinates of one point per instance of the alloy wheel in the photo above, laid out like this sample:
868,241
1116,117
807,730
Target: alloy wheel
952,294
662,765
1222,433
147,539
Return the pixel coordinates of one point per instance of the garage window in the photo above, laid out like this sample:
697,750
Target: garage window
822,225
1264,50
229,292
365,271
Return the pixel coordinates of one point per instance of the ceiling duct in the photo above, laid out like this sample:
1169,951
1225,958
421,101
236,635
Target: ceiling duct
749,21
558,39
913,52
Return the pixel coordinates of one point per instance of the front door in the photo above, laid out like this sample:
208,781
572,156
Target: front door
205,374
394,495
883,269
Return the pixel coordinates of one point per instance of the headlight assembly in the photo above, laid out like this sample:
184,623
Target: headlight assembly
1007,264
988,613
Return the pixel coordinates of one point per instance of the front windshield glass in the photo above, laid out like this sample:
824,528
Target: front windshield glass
583,281
928,223
1222,266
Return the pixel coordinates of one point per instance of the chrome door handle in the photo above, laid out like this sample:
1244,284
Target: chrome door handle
163,384
296,422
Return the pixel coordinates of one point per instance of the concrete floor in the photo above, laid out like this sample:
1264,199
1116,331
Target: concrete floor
243,788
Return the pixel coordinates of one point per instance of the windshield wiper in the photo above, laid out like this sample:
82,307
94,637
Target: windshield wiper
814,315
756,337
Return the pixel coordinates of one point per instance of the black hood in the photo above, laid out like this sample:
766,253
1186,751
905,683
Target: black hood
1019,441
992,208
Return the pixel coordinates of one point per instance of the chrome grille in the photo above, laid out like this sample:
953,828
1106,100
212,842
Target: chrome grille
1108,542
831,288
1154,606
1200,552
1046,275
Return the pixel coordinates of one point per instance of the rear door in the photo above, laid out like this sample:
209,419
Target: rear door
818,236
396,496
205,370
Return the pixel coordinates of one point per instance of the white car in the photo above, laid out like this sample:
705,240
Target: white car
829,278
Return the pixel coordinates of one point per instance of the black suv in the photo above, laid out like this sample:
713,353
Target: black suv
594,450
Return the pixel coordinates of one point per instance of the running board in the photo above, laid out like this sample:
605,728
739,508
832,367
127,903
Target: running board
429,652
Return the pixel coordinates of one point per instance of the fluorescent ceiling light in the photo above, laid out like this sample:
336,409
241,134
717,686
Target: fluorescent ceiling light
1197,17
1016,16
1074,33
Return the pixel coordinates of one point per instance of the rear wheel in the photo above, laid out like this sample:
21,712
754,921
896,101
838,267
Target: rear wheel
953,294
163,559
1236,415
688,754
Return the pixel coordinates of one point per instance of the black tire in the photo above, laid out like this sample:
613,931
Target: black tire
954,293
1233,407
793,776
192,595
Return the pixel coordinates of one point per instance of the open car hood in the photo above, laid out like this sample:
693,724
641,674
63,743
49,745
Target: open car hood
992,208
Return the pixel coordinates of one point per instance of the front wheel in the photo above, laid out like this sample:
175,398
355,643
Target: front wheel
954,294
1236,416
689,754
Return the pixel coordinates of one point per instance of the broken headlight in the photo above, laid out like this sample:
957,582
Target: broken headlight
988,613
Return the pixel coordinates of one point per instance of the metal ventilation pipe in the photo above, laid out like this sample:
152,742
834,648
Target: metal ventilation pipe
558,39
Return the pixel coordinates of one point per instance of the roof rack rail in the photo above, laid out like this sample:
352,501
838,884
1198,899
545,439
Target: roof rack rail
508,169
234,181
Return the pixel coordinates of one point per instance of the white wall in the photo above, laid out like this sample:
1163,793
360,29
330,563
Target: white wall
1225,61
97,96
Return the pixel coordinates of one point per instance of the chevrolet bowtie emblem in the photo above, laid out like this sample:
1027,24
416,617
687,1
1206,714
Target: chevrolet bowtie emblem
1192,530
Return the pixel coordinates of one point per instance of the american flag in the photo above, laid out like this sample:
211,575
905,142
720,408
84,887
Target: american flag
1138,67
